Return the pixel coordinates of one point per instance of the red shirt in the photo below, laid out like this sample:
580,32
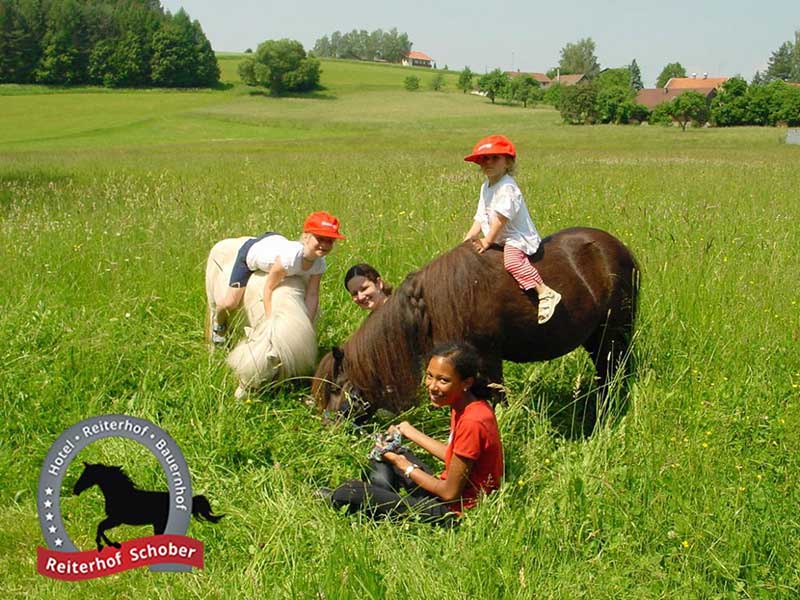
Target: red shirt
474,436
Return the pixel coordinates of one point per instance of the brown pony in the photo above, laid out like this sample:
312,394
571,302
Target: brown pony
463,295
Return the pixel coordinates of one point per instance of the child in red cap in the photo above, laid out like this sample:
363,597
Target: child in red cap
279,258
503,218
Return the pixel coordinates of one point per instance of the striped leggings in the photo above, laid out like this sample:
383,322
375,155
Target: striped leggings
516,262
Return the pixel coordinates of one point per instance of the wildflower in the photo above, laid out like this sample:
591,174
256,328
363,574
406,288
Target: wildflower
685,543
705,445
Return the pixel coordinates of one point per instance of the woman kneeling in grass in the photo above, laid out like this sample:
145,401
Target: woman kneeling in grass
473,456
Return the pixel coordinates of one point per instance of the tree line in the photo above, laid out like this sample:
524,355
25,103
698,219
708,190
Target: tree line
735,103
116,43
609,95
390,46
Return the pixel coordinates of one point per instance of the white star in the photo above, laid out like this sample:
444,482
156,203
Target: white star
48,504
58,541
49,516
48,491
52,529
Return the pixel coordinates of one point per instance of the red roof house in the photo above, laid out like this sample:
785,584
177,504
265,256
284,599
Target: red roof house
417,59
695,83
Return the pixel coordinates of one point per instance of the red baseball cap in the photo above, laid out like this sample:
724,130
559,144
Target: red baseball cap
323,224
493,144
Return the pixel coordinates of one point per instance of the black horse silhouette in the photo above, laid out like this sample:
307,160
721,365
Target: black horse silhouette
126,504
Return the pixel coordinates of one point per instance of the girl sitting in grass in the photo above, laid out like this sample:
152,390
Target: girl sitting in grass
473,455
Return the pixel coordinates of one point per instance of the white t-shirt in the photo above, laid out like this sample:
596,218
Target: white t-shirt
263,253
505,198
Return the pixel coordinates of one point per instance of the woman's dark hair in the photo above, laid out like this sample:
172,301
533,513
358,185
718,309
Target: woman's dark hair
368,271
467,363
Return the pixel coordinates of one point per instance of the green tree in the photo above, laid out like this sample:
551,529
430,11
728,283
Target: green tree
661,115
174,63
207,73
729,106
579,58
788,109
493,84
437,82
781,64
614,104
281,65
689,107
19,47
619,77
524,89
395,46
465,80
552,95
578,103
65,49
411,83
635,76
668,72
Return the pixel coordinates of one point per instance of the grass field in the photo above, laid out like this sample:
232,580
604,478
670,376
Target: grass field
110,202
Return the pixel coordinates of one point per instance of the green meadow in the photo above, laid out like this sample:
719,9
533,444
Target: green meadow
111,200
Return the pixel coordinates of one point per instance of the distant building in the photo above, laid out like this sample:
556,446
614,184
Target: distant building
695,83
652,97
417,59
569,79
705,85
543,79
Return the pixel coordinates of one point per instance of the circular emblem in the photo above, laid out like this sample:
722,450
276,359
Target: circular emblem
80,435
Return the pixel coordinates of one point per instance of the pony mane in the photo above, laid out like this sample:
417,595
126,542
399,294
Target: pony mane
384,356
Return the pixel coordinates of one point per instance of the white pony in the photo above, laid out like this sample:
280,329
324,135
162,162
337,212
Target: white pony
273,349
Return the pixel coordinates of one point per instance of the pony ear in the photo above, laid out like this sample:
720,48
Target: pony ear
338,358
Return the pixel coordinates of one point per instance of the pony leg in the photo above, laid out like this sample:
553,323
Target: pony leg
608,348
104,525
494,373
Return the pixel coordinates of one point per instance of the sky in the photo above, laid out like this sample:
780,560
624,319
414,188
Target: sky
721,38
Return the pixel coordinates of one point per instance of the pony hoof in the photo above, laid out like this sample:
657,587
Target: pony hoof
116,545
241,393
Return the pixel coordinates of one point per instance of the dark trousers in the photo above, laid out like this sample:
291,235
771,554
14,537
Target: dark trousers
380,495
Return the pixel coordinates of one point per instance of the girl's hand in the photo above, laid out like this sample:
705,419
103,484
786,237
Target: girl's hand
400,428
480,245
395,459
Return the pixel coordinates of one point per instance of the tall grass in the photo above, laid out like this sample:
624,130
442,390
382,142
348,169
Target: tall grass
110,203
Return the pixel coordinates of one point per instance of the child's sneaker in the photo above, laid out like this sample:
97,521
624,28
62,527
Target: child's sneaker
218,334
548,301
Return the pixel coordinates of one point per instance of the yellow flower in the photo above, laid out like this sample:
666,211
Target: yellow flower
685,543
